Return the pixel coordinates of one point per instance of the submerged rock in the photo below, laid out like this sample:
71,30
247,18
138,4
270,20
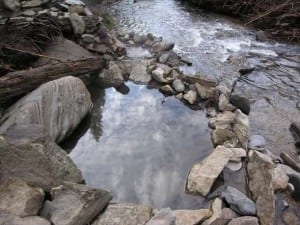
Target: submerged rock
68,99
127,214
74,204
239,202
163,217
17,198
42,165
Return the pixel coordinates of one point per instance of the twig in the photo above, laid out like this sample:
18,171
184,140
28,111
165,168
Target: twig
32,53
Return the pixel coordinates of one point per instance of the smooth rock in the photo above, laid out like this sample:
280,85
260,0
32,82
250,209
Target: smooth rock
74,204
234,166
68,99
111,77
17,198
245,220
203,174
223,102
167,89
222,120
190,97
239,202
205,92
10,219
125,214
12,5
42,165
162,46
216,208
224,137
188,217
280,180
261,175
240,102
226,216
77,23
178,85
163,217
88,38
256,141
29,13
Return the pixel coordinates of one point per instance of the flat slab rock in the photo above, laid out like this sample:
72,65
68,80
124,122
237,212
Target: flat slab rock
125,214
188,217
245,220
10,219
43,165
74,204
17,198
203,174
68,99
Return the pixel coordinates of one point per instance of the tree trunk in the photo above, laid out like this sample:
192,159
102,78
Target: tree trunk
21,82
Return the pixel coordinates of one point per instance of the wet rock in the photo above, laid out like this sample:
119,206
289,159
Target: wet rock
222,120
77,23
172,59
127,214
10,219
205,92
111,77
280,180
245,220
256,141
17,198
216,208
42,165
190,97
88,38
239,202
162,46
188,217
203,174
80,203
260,171
226,215
12,5
163,217
68,99
224,137
290,217
240,102
167,89
223,102
260,36
178,85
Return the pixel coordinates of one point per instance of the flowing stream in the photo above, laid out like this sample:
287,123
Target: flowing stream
142,145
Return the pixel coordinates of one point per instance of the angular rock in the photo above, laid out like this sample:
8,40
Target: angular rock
12,5
77,23
222,120
239,202
224,137
139,73
10,219
111,77
216,208
162,74
256,141
17,198
240,102
223,102
163,217
178,85
127,214
42,165
188,217
203,175
162,46
74,204
241,128
245,220
261,175
288,160
190,97
226,216
68,99
280,181
205,92
167,89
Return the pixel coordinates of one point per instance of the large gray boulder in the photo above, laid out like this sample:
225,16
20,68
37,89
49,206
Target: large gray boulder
57,106
74,204
10,219
125,214
42,165
17,198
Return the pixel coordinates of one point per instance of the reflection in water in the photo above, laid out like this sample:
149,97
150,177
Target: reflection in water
141,149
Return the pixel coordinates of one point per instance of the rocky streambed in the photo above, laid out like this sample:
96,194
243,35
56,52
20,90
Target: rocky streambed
155,132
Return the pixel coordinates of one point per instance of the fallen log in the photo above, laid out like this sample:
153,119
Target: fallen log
17,83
